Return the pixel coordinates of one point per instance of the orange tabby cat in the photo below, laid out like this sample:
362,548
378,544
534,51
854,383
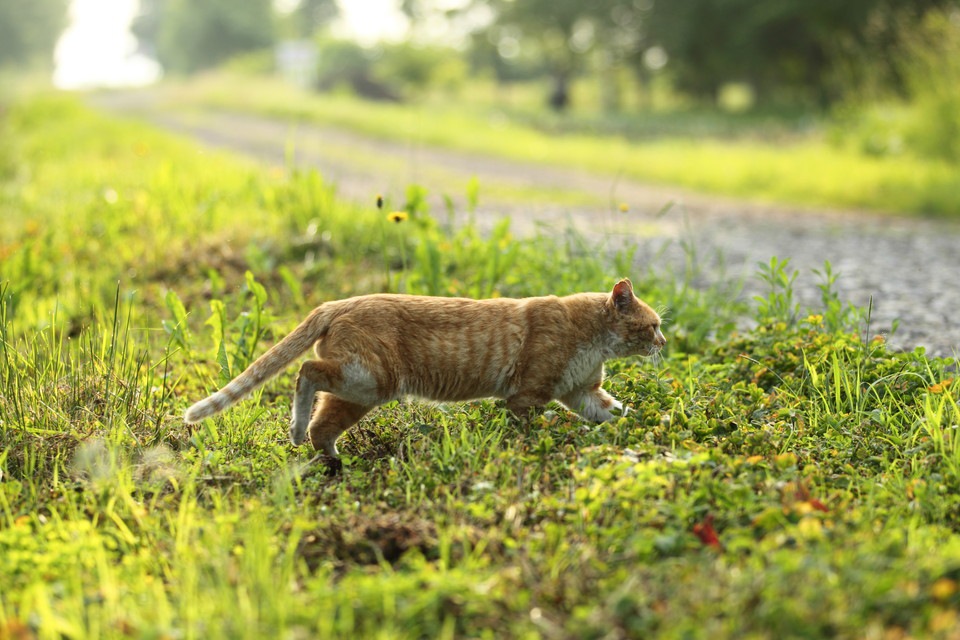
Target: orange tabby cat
376,348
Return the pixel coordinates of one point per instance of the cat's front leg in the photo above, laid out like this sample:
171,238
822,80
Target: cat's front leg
593,404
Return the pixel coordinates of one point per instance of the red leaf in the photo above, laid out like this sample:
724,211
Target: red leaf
819,506
707,534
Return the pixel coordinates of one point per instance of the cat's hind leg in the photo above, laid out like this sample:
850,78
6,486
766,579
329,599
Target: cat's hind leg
350,381
334,415
520,404
593,404
315,376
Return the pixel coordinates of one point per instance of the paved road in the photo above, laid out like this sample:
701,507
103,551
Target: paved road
910,267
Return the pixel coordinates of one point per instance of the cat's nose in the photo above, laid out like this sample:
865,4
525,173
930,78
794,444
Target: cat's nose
658,339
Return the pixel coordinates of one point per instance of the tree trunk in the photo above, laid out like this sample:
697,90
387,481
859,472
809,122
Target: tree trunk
560,95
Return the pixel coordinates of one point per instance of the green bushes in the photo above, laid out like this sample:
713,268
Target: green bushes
922,118
931,67
388,72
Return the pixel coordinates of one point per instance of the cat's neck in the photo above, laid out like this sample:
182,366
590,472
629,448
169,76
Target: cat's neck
593,313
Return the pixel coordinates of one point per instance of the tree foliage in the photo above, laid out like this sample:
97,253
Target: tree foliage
796,46
188,36
563,32
29,30
807,49
307,18
311,15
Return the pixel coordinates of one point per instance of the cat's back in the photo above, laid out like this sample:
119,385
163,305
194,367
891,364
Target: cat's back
407,315
386,311
439,348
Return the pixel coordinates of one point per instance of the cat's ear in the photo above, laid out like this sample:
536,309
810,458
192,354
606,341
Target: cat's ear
623,294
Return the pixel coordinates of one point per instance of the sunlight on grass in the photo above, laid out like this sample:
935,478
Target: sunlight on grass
807,171
794,479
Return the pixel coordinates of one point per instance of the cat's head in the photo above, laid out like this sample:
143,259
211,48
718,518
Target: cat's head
634,322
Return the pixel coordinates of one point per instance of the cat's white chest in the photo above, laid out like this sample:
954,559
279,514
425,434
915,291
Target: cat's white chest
586,366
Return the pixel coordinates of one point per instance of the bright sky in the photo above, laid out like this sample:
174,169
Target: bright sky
368,21
97,49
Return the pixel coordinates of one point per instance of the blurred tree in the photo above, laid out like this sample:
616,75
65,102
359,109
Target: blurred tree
566,36
783,50
390,72
344,63
29,30
146,26
563,31
870,59
314,14
776,46
499,51
562,34
307,17
415,69
929,64
188,36
620,43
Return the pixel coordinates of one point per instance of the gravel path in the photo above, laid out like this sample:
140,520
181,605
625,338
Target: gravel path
910,266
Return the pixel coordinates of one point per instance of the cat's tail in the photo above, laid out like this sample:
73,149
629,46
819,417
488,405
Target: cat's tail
266,366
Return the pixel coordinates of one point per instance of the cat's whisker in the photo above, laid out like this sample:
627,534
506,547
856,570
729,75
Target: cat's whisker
664,313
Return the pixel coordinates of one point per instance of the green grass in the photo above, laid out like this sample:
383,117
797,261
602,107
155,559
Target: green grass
790,481
760,160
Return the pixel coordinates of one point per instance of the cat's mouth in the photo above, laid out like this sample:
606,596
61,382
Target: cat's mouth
653,350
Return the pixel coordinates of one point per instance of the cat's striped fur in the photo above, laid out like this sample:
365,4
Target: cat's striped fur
376,348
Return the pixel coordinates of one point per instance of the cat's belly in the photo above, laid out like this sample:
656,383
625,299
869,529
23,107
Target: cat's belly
459,385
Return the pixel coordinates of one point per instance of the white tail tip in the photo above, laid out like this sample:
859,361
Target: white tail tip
198,412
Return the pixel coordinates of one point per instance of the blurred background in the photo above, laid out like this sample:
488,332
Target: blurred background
852,104
893,64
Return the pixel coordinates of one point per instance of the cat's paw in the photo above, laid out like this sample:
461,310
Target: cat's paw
618,409
603,416
610,413
595,414
298,432
326,464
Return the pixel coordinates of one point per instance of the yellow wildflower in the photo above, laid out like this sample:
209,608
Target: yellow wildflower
940,387
944,588
624,208
786,459
398,216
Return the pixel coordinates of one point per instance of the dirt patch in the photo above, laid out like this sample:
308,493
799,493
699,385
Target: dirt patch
366,540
